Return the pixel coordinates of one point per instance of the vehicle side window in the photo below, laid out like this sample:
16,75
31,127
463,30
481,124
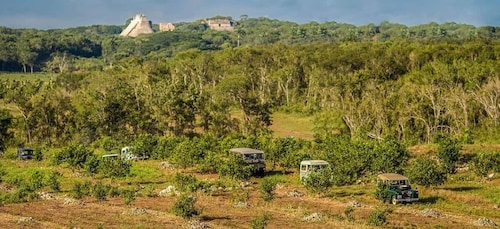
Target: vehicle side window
303,168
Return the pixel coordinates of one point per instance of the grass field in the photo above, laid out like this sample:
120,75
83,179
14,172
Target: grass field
464,201
459,203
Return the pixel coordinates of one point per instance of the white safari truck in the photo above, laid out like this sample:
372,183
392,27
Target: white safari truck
306,167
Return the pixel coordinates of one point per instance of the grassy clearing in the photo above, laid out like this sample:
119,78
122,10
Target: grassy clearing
285,124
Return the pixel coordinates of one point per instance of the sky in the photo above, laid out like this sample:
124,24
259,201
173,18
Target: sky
53,14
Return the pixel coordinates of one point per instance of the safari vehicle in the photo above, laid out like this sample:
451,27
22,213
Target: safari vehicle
395,188
126,153
309,166
24,153
254,157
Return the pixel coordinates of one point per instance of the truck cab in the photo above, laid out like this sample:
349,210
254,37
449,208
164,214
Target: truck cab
309,166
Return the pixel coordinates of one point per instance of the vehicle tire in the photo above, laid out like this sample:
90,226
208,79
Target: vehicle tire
394,200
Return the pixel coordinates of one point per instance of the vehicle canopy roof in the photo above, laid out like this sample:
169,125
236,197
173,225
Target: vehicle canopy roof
314,162
392,176
246,151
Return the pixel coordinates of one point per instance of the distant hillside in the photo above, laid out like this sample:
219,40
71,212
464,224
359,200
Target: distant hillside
36,50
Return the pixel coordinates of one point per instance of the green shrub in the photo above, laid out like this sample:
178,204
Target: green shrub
37,180
53,181
485,162
235,167
100,191
184,207
128,196
75,156
80,190
187,183
319,181
448,153
114,167
38,155
377,217
261,221
426,172
91,165
267,187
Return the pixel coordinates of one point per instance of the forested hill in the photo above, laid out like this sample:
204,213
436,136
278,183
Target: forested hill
93,47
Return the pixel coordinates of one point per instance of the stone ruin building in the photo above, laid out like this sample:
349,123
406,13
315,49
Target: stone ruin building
167,27
139,25
221,24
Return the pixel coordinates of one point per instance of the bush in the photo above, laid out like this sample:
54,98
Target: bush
426,172
187,183
100,191
38,155
235,167
267,187
377,217
184,207
53,181
319,181
448,153
128,196
37,180
75,156
80,190
114,167
261,221
484,163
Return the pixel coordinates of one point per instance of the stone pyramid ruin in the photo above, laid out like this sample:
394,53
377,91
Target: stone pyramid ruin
139,25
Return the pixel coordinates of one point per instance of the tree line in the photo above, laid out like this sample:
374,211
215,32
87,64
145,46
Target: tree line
413,91
97,46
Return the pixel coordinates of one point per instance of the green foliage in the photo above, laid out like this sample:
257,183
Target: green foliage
389,156
37,180
53,181
484,163
92,164
184,207
128,196
267,187
144,145
100,191
38,155
449,153
319,181
426,172
349,159
235,167
5,122
79,189
114,167
261,221
378,217
75,155
240,195
187,183
381,191
187,154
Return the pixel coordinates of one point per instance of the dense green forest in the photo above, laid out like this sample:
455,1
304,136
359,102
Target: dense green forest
412,84
93,47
